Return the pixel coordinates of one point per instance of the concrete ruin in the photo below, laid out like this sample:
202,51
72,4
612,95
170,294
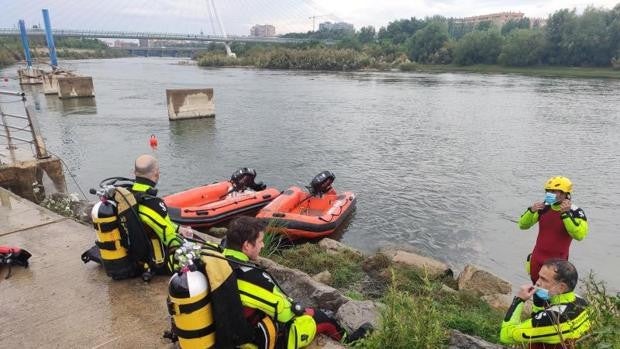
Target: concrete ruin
30,76
190,103
75,87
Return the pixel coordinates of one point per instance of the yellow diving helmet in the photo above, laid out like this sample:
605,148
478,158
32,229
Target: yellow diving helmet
559,183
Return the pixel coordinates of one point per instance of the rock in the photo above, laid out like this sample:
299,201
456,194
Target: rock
324,342
324,277
333,246
352,314
435,268
304,289
498,301
460,340
448,289
218,232
482,282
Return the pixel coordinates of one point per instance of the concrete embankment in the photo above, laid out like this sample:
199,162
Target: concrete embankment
60,302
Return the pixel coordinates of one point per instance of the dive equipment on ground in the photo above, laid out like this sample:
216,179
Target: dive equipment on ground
11,255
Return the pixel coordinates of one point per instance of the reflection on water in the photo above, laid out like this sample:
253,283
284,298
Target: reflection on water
441,163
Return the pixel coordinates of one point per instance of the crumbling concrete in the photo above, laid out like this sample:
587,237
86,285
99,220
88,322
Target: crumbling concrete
25,178
75,86
30,76
190,103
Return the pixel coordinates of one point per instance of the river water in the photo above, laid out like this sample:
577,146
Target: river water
441,163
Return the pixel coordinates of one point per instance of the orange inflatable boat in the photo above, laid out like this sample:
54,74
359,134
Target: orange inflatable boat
215,203
312,214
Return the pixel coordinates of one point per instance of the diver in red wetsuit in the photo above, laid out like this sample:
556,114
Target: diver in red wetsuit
559,222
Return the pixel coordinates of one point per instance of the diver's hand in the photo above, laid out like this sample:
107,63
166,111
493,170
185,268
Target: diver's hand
526,292
186,231
565,205
537,206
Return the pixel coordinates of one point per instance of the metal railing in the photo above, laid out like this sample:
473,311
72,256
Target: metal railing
153,36
23,126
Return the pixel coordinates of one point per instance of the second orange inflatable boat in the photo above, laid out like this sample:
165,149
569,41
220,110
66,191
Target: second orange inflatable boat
312,214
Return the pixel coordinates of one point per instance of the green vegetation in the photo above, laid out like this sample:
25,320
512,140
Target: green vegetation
605,316
404,291
418,313
591,39
11,50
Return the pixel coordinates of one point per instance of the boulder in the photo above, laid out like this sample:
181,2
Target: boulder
218,232
324,277
333,246
448,289
433,267
459,340
498,301
352,314
304,289
482,282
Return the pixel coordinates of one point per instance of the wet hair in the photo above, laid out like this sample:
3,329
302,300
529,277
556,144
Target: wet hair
243,229
565,272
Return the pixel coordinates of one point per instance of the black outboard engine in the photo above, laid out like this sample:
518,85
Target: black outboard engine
321,183
243,178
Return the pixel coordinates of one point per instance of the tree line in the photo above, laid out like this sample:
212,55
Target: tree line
568,39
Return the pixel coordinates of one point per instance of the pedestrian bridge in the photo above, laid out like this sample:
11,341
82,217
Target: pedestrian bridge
152,36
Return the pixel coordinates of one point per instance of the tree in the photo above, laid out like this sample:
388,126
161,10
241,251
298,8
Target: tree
559,34
523,23
484,25
366,34
523,47
400,30
478,47
591,39
427,41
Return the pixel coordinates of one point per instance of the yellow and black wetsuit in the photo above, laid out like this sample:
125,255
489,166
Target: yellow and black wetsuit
564,319
555,234
161,231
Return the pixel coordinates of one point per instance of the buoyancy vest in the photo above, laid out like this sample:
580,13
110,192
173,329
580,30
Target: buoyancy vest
553,241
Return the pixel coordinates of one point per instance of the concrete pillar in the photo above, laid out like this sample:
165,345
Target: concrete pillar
75,86
190,103
26,178
30,76
50,84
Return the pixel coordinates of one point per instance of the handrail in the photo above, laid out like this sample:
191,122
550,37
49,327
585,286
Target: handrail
37,139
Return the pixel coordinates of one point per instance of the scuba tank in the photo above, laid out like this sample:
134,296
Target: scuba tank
189,301
112,239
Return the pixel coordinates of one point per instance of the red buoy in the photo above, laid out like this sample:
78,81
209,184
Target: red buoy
153,142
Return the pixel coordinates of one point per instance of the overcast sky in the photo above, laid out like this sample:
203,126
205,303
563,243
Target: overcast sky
192,16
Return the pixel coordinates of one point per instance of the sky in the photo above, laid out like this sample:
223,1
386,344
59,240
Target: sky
238,16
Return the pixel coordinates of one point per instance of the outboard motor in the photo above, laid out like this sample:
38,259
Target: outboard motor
243,178
321,183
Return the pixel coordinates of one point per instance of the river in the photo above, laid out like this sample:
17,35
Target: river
441,163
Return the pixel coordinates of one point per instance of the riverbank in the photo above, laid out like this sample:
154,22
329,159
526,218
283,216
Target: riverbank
538,71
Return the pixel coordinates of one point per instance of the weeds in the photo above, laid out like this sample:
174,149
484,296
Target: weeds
604,315
408,321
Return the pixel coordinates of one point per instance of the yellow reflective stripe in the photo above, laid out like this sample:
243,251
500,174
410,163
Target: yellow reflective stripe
158,254
552,334
160,225
112,255
273,304
112,235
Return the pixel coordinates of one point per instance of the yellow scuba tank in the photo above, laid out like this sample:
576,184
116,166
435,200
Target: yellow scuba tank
189,302
112,243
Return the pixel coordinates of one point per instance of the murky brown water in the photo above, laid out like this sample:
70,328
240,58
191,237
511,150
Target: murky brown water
443,163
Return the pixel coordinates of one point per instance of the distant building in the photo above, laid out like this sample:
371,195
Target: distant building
263,30
143,42
499,19
124,44
538,22
327,26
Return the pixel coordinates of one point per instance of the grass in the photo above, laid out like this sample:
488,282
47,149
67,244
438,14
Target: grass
345,267
545,71
604,315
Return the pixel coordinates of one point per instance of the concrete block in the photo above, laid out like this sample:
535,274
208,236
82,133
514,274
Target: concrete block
30,76
75,86
50,84
190,103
